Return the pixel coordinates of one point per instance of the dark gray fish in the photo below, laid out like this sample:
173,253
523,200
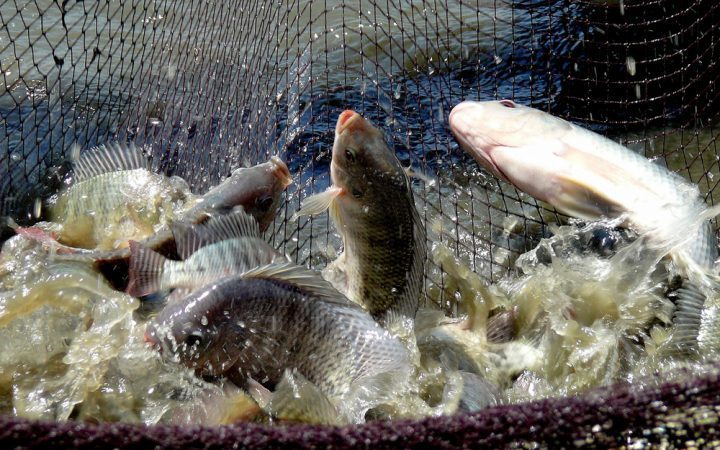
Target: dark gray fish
372,206
276,318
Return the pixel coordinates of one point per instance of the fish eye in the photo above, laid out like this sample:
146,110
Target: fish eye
508,103
351,154
264,203
194,339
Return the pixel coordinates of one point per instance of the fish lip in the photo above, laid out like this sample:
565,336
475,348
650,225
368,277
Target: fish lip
281,171
152,342
344,123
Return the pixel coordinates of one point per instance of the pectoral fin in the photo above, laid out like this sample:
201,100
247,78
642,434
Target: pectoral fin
296,399
318,203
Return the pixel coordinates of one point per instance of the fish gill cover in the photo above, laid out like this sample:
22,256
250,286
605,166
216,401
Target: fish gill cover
211,86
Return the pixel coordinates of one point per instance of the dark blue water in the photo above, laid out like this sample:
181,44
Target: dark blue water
202,141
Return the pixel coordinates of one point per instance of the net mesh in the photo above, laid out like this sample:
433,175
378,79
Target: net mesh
213,85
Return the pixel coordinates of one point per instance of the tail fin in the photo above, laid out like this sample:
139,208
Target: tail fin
146,270
687,319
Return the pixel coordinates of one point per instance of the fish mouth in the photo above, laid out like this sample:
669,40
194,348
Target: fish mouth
281,171
346,119
149,338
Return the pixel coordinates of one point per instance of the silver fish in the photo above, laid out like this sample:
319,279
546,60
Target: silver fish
589,176
257,190
272,319
223,246
371,204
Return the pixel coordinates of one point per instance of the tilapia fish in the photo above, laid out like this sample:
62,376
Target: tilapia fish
273,321
114,196
257,190
588,176
223,246
371,204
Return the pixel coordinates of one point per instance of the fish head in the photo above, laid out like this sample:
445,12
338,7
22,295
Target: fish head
257,189
361,158
485,129
534,151
193,332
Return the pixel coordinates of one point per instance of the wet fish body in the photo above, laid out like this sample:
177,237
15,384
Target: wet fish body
223,246
371,204
582,173
114,197
277,318
589,176
257,189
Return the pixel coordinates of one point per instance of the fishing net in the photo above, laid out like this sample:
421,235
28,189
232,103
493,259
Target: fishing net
213,85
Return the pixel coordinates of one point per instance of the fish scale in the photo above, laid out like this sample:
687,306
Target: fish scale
371,204
589,176
265,321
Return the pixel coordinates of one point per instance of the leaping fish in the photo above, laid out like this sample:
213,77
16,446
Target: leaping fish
371,204
589,176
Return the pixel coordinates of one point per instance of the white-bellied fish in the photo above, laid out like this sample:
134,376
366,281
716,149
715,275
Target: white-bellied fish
371,204
589,176
272,319
223,246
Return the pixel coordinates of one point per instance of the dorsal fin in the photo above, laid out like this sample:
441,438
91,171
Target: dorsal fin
305,279
189,238
110,157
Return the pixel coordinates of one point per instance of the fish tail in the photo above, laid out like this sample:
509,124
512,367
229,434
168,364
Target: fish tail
146,270
687,319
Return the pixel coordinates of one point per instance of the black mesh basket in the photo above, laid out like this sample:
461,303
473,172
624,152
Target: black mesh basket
213,85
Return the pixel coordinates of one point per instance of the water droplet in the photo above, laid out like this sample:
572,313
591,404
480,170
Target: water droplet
204,320
37,208
630,63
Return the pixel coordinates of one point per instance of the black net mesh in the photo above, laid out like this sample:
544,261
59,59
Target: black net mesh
212,85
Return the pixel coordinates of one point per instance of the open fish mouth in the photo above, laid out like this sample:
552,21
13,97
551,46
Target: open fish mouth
281,171
346,119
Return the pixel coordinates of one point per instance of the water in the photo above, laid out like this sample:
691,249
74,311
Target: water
191,79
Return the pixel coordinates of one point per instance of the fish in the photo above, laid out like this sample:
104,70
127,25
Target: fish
257,190
588,176
371,205
114,196
223,246
275,318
